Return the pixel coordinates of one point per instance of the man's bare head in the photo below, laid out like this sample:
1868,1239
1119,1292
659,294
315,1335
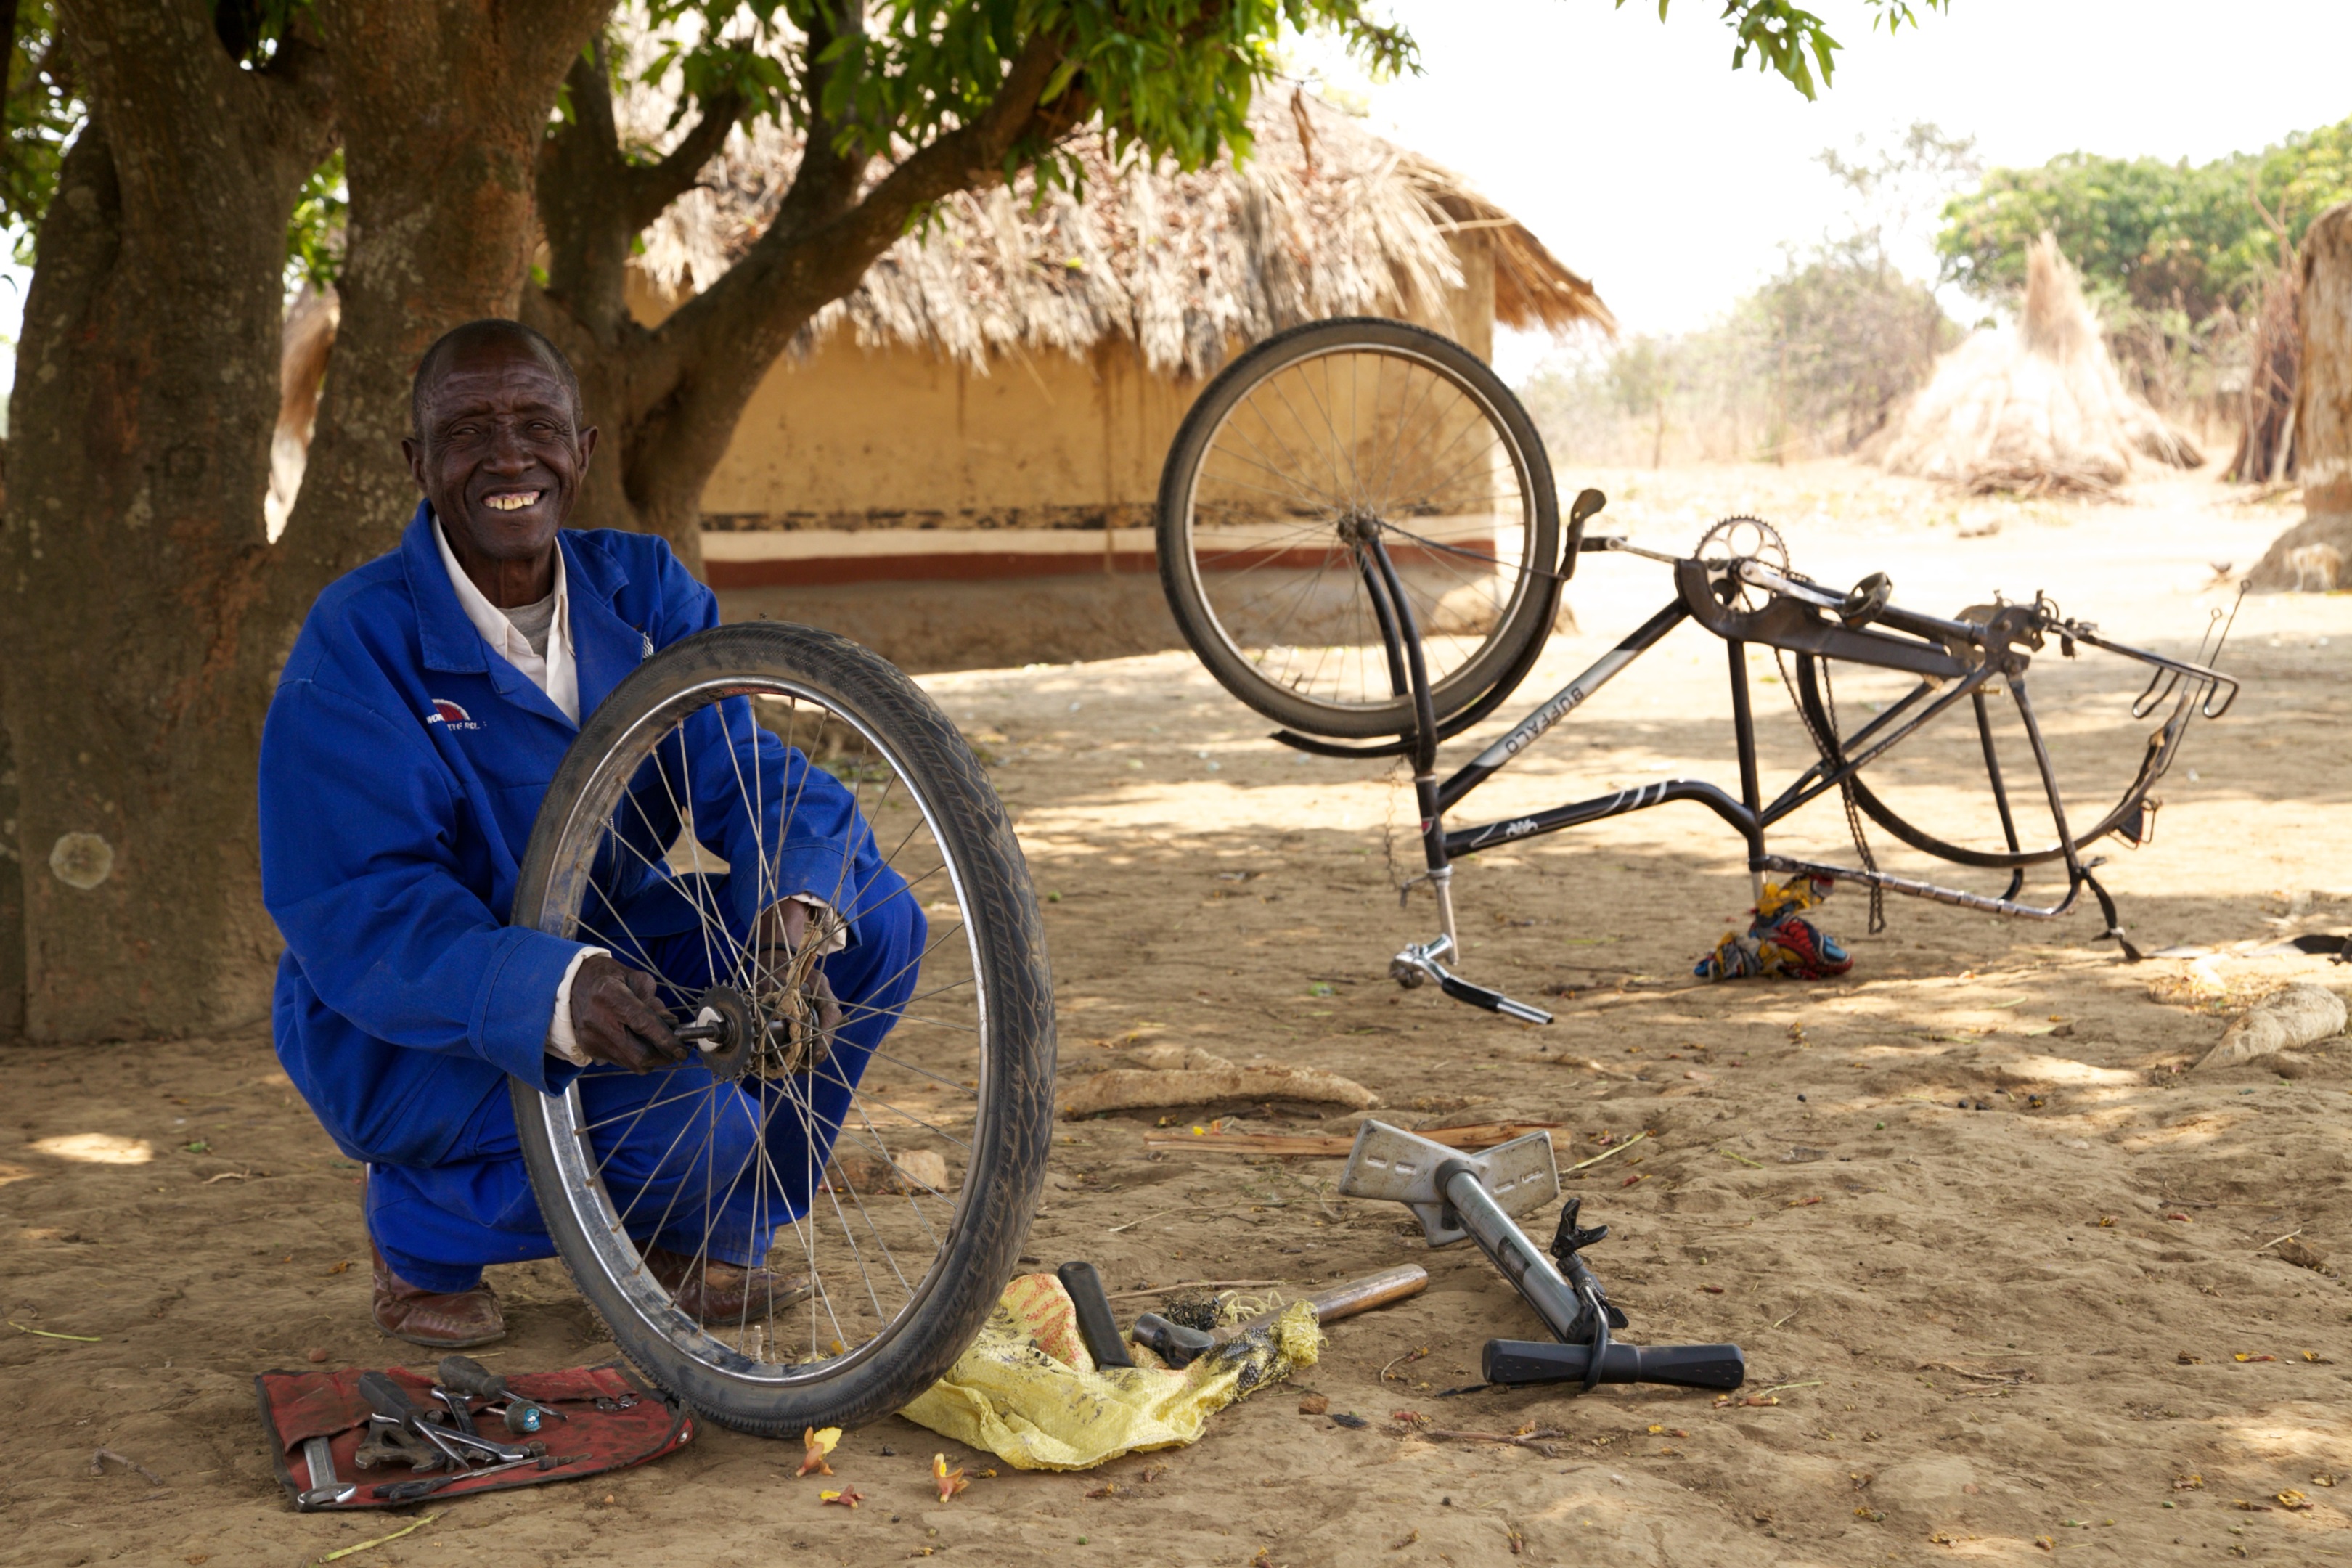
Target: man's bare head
499,449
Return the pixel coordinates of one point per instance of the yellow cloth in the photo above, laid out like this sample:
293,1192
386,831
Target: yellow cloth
1027,1391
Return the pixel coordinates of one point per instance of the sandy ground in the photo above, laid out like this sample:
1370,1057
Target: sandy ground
1994,1332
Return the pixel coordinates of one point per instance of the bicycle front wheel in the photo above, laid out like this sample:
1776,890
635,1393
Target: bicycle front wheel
866,1193
1301,451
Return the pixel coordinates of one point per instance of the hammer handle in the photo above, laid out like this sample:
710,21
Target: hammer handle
1347,1301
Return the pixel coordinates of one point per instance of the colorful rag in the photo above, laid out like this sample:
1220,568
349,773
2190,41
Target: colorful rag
1779,940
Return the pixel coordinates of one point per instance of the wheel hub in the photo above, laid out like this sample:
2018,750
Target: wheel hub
737,1028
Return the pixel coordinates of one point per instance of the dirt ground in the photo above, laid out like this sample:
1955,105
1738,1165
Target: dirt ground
2008,1272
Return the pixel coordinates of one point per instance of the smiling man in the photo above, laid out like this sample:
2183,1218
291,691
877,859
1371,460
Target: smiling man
419,721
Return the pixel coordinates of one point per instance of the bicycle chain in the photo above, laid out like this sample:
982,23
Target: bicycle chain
1845,786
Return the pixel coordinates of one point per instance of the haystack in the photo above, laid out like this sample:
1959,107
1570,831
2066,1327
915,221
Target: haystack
2037,409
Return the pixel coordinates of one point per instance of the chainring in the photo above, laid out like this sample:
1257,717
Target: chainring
1743,538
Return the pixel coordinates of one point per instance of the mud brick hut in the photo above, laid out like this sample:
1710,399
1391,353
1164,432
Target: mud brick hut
957,464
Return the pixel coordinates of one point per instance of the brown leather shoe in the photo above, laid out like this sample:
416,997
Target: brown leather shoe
441,1320
705,1291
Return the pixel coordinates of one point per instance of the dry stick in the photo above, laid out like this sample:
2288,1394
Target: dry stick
1195,1285
1534,1439
378,1541
2290,1236
1413,1355
1606,1152
97,1465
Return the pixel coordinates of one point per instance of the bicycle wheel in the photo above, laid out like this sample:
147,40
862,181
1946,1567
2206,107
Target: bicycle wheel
1311,444
1973,777
890,1172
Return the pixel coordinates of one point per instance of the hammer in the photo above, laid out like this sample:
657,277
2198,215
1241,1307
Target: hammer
1179,1346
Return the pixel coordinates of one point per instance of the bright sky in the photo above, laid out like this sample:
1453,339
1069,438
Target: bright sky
1635,152
1651,167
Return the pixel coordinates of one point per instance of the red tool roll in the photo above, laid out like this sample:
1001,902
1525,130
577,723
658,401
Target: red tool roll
612,1421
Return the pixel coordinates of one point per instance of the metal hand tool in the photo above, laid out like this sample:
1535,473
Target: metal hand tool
324,1488
388,1400
522,1416
1178,1345
409,1492
1476,1196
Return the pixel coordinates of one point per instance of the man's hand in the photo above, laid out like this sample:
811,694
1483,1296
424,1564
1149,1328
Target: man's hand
783,929
615,1018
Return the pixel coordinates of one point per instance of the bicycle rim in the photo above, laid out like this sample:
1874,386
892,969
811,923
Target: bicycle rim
1319,450
861,1176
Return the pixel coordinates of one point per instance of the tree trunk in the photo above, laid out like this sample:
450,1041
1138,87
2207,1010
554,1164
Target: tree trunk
2317,554
443,109
144,614
669,397
146,384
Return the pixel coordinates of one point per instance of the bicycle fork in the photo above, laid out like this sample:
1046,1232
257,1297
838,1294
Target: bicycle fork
1409,673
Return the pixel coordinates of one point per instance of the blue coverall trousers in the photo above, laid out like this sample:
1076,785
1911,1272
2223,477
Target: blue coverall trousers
677,1150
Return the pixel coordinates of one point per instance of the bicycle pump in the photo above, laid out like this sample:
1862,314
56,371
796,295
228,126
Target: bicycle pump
1475,1197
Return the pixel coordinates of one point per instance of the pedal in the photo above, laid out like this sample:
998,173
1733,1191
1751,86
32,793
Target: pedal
1419,963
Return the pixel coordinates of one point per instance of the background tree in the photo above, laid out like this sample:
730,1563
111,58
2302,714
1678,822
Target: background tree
145,610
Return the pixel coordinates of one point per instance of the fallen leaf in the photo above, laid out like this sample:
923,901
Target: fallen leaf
2291,1499
2245,1355
1108,1489
2106,1222
1410,1417
1940,1538
1802,1203
847,1496
1628,1181
1872,1514
1655,1428
2192,1483
1518,1542
949,1481
2185,1359
816,1444
2244,1506
340,1267
2045,1542
2315,1357
2324,1479
1712,1289
2181,1217
1407,1539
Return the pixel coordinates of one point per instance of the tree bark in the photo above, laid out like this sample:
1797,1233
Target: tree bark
443,109
132,676
668,396
144,614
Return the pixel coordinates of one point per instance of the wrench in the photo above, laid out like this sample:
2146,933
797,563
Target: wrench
324,1488
409,1492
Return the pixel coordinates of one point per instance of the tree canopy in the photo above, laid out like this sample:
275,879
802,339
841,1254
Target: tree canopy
2192,237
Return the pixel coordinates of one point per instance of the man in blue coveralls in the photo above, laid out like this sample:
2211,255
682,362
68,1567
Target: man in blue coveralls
416,727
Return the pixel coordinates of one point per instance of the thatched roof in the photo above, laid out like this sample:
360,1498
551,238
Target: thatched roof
1323,219
2037,408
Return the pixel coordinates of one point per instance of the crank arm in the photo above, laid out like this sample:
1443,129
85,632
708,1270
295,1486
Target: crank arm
1418,963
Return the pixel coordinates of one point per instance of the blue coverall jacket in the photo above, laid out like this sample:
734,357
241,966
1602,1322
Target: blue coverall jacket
402,767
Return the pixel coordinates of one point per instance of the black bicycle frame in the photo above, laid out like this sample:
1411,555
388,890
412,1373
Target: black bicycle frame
1955,660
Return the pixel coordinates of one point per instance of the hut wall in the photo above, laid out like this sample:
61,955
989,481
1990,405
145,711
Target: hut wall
955,519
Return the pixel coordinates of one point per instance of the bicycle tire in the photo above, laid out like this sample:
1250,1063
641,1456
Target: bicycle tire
1876,808
1524,606
1012,1095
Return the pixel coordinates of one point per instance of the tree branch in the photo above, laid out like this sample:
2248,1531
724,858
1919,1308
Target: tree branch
789,275
653,186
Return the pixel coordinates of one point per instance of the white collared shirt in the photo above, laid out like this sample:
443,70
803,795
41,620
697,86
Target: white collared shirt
557,674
